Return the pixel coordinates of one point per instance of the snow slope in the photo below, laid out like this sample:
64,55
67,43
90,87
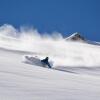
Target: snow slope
20,81
75,74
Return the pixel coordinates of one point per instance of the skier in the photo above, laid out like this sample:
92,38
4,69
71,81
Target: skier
45,61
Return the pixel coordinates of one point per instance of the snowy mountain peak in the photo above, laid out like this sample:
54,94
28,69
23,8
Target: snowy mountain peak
76,37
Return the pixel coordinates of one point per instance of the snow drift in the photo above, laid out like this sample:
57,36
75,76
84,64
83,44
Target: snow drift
54,46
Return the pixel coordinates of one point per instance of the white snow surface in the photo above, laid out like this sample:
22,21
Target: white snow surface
75,74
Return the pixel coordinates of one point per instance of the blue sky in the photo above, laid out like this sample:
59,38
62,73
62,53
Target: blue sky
64,16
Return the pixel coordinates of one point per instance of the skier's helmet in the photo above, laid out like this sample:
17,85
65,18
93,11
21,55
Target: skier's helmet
47,57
